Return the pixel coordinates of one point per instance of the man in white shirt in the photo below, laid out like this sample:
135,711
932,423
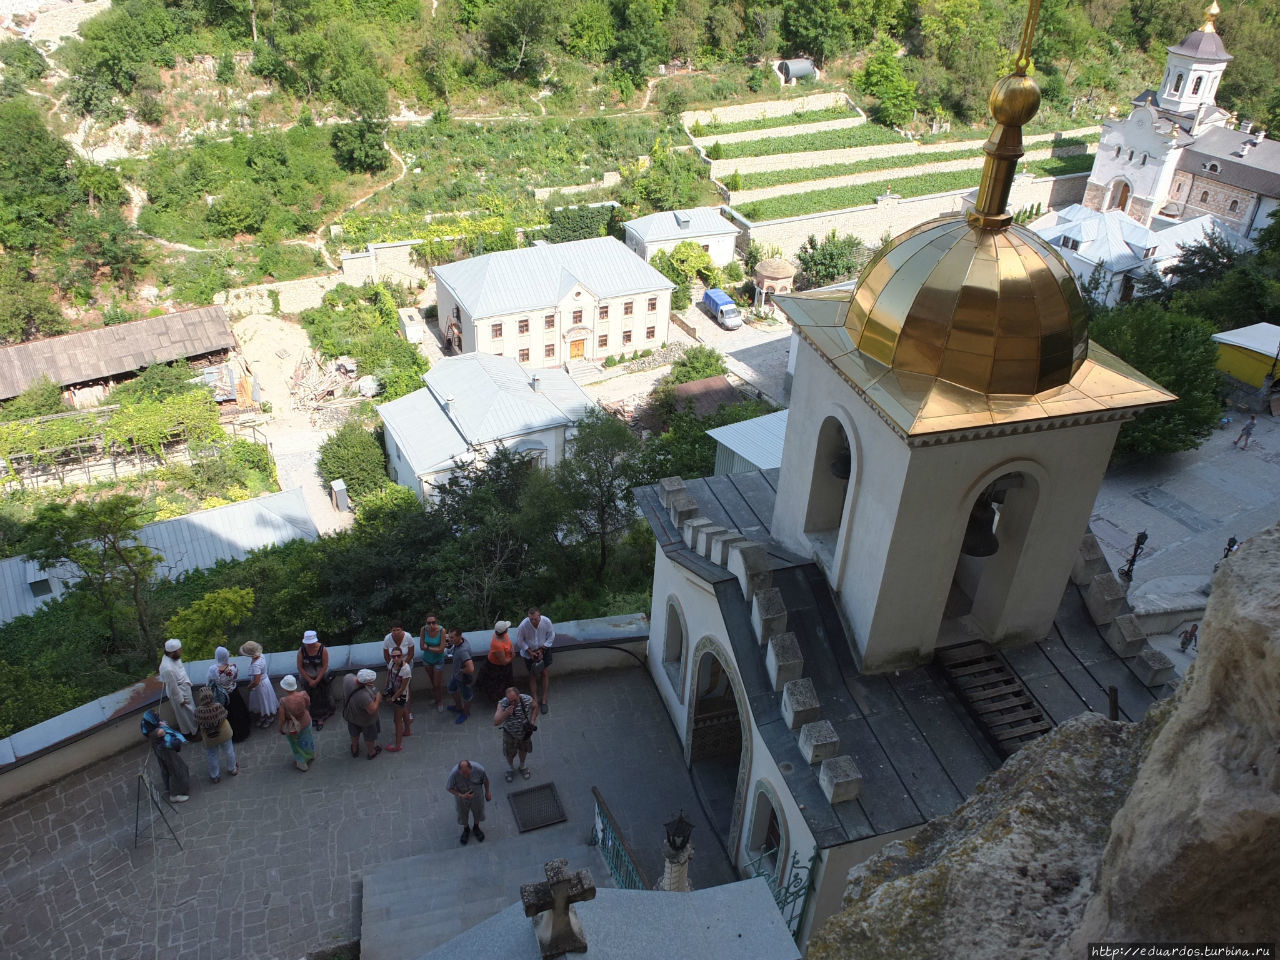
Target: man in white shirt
533,642
177,687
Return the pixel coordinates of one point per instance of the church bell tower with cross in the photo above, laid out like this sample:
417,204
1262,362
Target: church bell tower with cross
950,423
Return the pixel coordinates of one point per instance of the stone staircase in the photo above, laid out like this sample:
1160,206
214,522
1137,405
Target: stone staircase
747,559
584,372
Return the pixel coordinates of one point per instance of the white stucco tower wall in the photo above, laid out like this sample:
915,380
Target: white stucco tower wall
896,548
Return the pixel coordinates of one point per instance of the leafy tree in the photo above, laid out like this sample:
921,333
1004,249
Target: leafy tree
98,539
821,28
359,147
685,450
26,309
588,31
23,60
638,40
884,79
517,34
669,182
101,241
597,477
830,260
202,626
1176,351
36,191
355,456
1203,262
43,398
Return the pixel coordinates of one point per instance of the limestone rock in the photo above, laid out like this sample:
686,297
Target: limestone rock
1192,854
1009,872
1163,830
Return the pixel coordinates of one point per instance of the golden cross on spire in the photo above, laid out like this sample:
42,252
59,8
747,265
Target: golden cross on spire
1210,14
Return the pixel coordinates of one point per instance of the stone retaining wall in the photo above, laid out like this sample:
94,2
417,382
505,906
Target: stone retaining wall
818,158
765,108
893,216
897,173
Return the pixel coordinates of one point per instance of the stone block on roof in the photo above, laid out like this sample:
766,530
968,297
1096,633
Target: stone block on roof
706,537
1105,599
800,704
721,545
683,507
840,779
783,660
667,486
748,561
1089,562
1152,667
690,528
1125,636
819,741
768,613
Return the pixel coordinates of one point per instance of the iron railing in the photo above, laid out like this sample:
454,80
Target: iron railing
618,856
792,894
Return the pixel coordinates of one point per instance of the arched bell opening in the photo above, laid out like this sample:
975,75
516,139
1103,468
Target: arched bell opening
833,471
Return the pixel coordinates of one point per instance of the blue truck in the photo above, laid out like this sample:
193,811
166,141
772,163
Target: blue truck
722,309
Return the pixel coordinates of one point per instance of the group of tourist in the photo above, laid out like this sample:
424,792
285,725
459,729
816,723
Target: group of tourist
219,718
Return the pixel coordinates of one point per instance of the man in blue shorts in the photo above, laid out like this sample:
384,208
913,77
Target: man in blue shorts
462,683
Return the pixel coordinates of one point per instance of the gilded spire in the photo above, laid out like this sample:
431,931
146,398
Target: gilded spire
1210,14
1014,101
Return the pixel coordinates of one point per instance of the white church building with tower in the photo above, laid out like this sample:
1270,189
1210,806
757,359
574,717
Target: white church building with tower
848,644
1178,155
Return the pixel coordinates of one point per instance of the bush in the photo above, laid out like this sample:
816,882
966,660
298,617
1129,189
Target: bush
610,361
715,151
226,68
733,182
698,363
355,456
733,272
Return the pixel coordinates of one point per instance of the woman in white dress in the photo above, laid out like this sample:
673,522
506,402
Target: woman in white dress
262,696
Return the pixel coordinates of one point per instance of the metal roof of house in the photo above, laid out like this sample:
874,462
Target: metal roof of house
680,225
534,278
193,542
493,400
1263,338
758,441
1245,160
110,351
1118,242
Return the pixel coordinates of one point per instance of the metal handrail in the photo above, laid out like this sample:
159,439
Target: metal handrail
621,860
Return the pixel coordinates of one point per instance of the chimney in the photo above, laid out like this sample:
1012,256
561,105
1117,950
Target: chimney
448,405
1246,126
536,383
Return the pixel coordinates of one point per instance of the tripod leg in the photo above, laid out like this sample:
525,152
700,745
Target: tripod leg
137,811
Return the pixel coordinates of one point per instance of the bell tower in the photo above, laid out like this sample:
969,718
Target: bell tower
1192,73
951,422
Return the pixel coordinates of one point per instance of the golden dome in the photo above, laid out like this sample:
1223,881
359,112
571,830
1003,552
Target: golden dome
993,310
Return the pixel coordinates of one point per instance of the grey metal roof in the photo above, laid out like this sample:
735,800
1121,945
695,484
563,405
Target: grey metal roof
534,278
194,542
110,351
758,441
1258,170
1202,45
681,225
492,400
1118,242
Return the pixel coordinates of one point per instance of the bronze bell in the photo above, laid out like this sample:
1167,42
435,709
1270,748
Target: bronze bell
842,465
979,536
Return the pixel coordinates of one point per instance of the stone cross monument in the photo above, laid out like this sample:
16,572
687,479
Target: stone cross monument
550,904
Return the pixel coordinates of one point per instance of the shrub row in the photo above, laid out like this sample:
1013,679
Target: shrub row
867,135
767,123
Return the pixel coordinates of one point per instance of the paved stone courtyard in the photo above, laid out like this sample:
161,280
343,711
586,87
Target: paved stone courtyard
1191,502
273,859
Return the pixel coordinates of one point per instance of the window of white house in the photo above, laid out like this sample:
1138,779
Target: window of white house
523,326
495,331
524,354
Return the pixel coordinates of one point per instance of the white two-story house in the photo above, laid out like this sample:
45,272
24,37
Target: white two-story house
551,303
468,407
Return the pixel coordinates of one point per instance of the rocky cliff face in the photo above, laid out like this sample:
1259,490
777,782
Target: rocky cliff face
1163,830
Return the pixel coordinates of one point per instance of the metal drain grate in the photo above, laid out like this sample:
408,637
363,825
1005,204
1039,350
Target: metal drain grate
536,807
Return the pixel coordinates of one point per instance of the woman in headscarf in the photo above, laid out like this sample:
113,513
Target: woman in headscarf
215,734
262,696
223,677
295,722
313,672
